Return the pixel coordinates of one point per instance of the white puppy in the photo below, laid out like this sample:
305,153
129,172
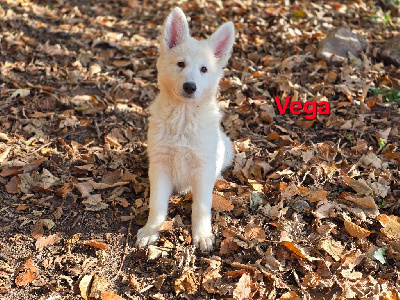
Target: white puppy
186,147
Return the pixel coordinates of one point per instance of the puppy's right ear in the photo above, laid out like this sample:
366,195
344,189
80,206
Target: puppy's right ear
175,31
222,41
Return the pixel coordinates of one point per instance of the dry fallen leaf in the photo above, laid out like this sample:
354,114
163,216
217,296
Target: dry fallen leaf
87,187
99,285
390,295
304,191
43,242
243,288
290,191
4,151
383,134
236,273
366,201
134,282
83,169
254,233
391,225
65,189
38,229
360,185
220,203
389,153
331,77
84,284
291,295
26,273
228,246
88,104
21,207
318,195
294,249
94,203
97,244
3,136
258,187
12,186
355,230
371,160
185,283
20,93
352,275
212,277
116,138
11,171
94,69
332,247
324,209
273,136
106,295
311,279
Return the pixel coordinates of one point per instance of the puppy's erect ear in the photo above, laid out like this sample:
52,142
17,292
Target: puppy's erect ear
222,41
176,29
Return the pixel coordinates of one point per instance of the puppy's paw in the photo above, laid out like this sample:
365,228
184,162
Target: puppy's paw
147,235
204,241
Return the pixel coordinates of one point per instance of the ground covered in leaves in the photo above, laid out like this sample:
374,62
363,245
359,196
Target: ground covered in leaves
309,210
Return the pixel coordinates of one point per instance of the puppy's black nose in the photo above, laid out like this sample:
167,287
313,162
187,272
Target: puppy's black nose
189,87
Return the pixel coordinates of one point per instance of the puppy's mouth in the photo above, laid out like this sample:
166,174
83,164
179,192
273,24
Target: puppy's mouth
188,96
184,96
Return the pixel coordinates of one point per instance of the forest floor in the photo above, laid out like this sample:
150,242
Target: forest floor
309,210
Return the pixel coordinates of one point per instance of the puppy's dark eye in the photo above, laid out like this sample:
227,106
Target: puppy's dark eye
203,69
181,64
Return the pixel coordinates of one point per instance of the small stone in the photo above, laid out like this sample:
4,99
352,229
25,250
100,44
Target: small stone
390,51
335,47
256,199
300,205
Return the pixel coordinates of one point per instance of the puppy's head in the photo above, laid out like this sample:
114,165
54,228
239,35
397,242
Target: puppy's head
189,69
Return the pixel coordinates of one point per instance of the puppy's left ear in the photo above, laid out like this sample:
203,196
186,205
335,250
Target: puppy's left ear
222,41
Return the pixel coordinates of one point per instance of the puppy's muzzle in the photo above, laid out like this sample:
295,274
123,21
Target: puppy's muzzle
189,87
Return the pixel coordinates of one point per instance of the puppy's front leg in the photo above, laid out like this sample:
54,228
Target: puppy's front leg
160,190
201,209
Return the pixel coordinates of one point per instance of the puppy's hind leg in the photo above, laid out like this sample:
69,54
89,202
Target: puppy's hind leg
160,190
225,151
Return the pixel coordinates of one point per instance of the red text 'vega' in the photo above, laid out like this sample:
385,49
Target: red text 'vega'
296,107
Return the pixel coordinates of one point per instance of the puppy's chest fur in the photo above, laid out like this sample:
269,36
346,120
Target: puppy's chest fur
184,137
